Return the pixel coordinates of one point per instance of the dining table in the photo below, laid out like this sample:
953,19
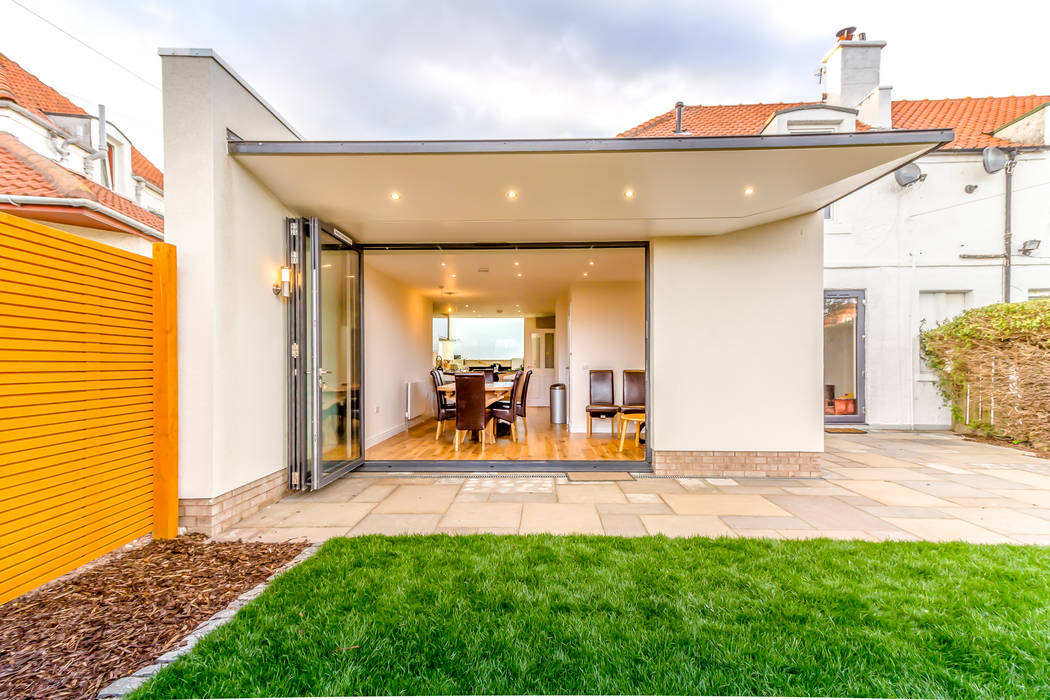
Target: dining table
494,391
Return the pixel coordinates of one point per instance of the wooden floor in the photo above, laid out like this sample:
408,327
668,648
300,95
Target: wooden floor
540,440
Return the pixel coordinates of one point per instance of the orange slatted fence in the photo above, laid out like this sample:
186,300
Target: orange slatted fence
88,411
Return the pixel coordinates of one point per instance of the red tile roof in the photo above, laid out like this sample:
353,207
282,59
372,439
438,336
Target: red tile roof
29,92
23,171
970,117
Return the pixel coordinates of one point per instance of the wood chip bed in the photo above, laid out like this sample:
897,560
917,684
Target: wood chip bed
72,638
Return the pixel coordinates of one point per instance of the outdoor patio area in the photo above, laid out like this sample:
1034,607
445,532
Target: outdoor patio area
881,485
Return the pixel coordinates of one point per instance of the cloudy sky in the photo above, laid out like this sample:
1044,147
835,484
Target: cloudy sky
465,69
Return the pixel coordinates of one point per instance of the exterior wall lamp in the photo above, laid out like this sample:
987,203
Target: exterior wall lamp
284,287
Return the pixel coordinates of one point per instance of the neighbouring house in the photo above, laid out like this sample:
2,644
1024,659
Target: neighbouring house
915,247
675,282
54,169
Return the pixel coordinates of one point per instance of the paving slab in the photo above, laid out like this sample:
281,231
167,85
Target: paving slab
430,499
600,476
396,524
622,525
948,530
590,493
560,519
686,525
501,515
721,504
891,494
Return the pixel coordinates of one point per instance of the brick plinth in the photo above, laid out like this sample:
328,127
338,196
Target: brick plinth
729,464
213,515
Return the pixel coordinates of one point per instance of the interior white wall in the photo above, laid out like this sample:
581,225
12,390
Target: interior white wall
229,231
606,331
737,339
561,336
398,325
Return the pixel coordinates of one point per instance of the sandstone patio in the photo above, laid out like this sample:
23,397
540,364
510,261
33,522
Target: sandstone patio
875,486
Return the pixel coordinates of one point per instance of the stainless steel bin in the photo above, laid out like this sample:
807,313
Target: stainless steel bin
558,401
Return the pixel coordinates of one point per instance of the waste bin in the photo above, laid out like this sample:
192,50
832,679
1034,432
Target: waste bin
558,404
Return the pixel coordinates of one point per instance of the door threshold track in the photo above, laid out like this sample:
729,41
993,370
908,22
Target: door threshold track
495,466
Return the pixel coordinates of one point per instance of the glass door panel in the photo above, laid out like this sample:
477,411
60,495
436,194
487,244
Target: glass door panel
325,429
843,356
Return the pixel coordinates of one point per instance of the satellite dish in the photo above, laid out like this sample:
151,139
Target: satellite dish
994,159
908,174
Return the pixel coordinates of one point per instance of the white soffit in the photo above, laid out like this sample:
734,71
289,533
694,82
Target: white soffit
572,190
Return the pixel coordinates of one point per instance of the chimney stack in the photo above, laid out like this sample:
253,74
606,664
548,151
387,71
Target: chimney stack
850,71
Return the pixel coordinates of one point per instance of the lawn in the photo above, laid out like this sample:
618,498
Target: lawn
443,615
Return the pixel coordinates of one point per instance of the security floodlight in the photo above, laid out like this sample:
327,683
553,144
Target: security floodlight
994,159
1029,247
908,174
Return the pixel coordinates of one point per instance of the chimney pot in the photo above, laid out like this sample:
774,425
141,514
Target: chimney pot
678,116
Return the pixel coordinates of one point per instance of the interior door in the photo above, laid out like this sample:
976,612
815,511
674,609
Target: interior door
325,381
541,361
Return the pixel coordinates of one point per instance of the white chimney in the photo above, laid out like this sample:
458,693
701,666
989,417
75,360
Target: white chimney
850,71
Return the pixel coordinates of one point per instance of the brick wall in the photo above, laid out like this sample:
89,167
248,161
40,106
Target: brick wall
213,515
729,464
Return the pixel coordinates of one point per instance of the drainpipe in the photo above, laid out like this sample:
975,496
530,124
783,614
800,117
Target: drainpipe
1007,223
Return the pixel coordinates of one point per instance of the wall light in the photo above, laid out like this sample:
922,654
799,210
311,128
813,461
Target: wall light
284,287
1029,247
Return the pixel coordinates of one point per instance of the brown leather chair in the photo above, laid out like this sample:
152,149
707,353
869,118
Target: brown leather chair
444,409
471,413
521,404
602,398
506,411
633,391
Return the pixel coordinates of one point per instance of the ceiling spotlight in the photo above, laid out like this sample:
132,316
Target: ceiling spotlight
467,305
449,309
515,263
395,196
749,190
453,274
590,262
442,264
511,194
519,274
586,274
628,194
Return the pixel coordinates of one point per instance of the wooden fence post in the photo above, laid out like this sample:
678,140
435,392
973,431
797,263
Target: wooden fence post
165,394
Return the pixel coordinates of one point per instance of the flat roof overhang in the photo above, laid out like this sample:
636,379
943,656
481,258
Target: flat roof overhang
572,189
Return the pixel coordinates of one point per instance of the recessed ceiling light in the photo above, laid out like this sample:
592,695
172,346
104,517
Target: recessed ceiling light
590,262
749,190
467,305
453,274
511,194
442,264
515,263
628,194
586,274
395,196
449,309
519,274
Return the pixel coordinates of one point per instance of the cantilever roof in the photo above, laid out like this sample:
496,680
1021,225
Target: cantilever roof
572,189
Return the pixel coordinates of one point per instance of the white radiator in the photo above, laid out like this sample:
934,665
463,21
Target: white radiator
416,398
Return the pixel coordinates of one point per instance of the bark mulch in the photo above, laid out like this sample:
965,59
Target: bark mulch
75,637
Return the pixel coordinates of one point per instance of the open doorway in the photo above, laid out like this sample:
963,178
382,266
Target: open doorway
528,320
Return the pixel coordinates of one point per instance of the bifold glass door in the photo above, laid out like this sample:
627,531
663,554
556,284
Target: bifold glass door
844,356
325,380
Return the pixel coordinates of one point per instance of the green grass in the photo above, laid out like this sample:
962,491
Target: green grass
600,615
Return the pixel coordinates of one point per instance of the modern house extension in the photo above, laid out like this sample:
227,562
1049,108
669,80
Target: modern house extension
311,275
955,230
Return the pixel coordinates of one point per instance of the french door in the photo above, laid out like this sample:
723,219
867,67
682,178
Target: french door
325,379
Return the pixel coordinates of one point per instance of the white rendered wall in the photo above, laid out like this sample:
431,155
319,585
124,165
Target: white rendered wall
606,331
398,342
229,231
737,340
895,243
125,241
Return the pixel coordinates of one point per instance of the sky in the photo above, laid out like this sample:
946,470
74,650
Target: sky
427,69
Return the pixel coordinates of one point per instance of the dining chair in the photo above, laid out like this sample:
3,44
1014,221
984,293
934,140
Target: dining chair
602,398
444,409
471,412
506,411
633,391
522,402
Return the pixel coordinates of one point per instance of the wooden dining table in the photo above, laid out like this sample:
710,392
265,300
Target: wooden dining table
494,391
